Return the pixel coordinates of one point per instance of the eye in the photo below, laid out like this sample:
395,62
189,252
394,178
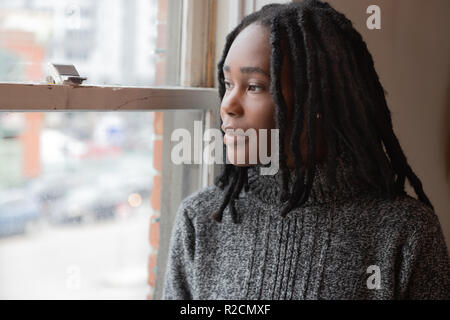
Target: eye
227,85
255,88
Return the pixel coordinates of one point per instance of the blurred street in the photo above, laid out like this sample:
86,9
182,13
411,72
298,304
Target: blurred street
102,260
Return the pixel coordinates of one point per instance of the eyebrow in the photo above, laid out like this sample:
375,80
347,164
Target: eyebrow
248,70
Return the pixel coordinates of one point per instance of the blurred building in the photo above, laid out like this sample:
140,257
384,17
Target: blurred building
109,41
112,42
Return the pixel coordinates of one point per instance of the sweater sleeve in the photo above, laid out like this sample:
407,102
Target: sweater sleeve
178,281
425,275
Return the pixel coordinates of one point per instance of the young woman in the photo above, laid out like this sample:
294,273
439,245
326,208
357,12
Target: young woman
334,222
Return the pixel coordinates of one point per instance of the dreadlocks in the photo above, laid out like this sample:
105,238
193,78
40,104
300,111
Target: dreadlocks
334,74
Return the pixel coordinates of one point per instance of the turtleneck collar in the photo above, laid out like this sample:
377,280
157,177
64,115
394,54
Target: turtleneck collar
348,184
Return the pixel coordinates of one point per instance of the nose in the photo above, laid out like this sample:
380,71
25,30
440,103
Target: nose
231,104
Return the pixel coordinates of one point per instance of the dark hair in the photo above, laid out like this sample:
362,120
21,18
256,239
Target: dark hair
333,74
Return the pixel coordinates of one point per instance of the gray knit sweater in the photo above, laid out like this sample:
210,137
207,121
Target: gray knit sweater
346,242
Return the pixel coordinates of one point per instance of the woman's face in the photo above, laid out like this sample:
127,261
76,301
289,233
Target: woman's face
247,102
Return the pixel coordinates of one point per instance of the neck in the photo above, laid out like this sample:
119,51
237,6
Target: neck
324,189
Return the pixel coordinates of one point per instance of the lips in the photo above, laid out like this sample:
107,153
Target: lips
233,137
228,129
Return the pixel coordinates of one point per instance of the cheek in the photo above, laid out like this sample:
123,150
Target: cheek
266,121
262,117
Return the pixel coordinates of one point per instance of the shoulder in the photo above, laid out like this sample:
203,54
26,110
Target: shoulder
202,202
403,214
408,210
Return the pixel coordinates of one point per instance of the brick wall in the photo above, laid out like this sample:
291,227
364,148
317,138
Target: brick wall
155,199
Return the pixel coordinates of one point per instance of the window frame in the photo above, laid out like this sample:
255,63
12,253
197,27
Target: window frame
54,98
195,14
22,97
193,48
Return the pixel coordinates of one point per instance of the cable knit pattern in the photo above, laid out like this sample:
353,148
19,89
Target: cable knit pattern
345,242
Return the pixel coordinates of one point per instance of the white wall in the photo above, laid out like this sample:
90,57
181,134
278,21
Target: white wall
412,58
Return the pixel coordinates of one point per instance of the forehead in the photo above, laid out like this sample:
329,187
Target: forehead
250,48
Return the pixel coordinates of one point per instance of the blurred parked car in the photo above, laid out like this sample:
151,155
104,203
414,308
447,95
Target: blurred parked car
89,203
141,185
18,212
50,188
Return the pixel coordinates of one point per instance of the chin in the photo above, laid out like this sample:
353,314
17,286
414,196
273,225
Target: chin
241,165
243,162
234,162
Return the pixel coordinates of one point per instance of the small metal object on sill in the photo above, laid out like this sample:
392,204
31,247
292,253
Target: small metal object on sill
64,74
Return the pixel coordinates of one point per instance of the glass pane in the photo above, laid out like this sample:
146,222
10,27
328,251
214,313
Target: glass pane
112,42
75,204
